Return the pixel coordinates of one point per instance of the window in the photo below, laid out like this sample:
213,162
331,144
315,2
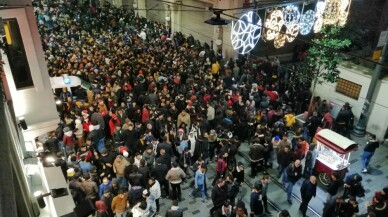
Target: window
348,88
16,54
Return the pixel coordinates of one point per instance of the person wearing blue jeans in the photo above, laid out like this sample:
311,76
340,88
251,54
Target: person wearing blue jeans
200,182
369,150
294,173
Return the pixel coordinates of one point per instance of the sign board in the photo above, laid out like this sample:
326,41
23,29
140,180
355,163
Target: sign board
376,55
382,39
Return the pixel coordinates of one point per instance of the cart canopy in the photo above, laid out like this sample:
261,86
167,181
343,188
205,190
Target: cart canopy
335,141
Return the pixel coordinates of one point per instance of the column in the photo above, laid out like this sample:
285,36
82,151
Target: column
141,4
167,7
176,18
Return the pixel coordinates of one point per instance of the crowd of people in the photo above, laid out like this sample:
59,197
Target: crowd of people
162,108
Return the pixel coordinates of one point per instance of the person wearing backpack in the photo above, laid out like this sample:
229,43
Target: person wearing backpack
220,167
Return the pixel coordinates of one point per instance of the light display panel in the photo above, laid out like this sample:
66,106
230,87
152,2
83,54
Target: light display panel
330,16
279,41
291,32
291,15
246,33
319,11
273,23
306,22
343,12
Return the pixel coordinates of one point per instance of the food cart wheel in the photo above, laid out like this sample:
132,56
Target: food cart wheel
324,178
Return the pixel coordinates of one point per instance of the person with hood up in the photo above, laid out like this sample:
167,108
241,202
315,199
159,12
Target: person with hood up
101,210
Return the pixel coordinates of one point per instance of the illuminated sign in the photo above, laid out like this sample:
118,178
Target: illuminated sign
246,32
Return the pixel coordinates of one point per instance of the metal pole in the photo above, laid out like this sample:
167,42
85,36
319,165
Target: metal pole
360,129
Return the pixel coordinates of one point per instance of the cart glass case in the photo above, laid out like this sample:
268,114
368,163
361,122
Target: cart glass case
331,158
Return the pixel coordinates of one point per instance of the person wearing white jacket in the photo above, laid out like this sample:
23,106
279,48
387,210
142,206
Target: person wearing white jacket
79,132
154,188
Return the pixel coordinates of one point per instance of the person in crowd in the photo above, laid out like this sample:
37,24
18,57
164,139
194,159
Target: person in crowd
310,160
350,207
379,206
219,196
292,173
238,173
154,189
159,172
101,209
174,176
221,167
284,158
200,180
120,204
263,185
240,210
225,211
119,165
256,203
369,150
283,213
174,210
151,203
105,185
334,207
307,191
334,184
256,156
352,185
90,188
107,199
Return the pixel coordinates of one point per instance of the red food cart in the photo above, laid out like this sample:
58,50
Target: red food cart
333,154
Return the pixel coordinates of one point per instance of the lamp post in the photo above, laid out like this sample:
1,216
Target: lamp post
360,129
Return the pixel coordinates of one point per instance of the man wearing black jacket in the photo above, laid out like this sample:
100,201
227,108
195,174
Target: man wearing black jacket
307,191
369,150
219,196
293,173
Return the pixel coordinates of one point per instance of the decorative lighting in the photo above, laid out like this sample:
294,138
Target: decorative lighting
318,25
307,22
332,10
280,41
291,32
291,15
319,10
273,23
66,79
344,12
245,33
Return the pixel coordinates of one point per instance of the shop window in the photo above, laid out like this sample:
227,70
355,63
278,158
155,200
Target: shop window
348,88
14,49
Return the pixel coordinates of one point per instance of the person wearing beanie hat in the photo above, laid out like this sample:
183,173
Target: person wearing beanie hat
68,140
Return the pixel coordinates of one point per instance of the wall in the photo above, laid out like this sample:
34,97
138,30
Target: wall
378,119
36,104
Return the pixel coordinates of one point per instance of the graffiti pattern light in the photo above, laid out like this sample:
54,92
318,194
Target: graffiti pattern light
291,32
273,24
245,33
307,22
